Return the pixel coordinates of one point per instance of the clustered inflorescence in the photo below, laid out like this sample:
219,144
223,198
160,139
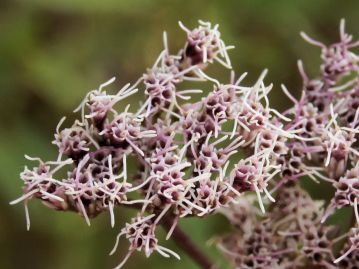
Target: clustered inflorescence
215,154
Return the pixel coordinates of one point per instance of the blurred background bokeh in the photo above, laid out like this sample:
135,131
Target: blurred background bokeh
53,52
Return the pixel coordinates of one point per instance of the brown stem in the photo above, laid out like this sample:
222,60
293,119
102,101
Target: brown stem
185,243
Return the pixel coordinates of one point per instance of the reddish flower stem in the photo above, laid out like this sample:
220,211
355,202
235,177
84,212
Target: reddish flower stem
185,243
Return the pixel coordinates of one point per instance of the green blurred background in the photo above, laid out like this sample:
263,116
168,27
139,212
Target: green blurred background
53,52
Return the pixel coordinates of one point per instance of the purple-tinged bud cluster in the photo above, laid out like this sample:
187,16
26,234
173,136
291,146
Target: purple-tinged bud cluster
141,235
205,45
73,142
184,152
337,58
289,236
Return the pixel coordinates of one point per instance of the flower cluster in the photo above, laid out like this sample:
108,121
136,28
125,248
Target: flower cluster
290,235
183,152
324,123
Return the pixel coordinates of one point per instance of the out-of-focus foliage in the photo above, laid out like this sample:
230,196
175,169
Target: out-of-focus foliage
53,52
